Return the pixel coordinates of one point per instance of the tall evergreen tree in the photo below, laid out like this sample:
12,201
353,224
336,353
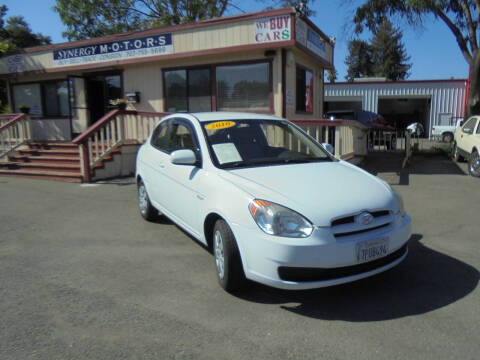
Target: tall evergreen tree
359,60
389,55
383,56
461,17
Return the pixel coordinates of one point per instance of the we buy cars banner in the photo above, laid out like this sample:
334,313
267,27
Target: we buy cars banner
275,28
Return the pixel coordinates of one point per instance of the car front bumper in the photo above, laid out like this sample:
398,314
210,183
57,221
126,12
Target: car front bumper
321,259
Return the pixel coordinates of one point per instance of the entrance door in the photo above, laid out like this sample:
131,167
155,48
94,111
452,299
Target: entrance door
78,104
101,89
96,99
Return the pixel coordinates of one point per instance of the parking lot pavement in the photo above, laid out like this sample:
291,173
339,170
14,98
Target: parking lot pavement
82,276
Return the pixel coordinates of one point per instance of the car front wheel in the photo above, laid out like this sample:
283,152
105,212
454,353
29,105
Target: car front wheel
227,258
456,154
147,210
474,164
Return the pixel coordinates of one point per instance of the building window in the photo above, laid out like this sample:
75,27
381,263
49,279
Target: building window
43,99
243,87
56,98
28,95
187,90
304,90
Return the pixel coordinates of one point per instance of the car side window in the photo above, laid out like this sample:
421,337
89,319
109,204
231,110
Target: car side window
160,138
469,126
181,138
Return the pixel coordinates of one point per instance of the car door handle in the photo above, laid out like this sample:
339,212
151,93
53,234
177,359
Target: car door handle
161,166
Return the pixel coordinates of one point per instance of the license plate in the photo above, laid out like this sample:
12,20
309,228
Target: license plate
371,250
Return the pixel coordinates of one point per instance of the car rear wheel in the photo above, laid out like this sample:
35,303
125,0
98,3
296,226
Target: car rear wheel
474,164
447,137
227,258
147,210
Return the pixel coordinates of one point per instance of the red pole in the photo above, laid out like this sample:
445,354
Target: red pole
467,93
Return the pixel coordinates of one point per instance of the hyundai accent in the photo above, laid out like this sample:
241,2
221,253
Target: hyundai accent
272,204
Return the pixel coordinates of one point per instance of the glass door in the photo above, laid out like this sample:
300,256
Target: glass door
78,104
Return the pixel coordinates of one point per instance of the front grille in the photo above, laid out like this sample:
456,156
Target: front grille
298,274
351,219
346,226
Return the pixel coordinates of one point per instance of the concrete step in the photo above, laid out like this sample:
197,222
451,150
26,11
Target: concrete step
56,152
52,146
45,175
46,159
48,166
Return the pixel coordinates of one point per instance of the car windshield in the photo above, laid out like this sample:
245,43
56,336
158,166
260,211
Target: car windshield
247,143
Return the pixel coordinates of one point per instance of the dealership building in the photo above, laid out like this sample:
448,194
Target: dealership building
267,62
103,96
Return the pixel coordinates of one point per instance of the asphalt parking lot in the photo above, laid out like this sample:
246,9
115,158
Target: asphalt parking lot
83,276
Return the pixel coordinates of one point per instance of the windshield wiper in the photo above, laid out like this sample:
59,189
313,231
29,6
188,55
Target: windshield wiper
238,164
305,160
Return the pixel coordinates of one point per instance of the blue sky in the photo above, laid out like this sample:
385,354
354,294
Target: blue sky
433,50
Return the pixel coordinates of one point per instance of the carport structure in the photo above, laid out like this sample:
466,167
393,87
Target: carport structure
401,102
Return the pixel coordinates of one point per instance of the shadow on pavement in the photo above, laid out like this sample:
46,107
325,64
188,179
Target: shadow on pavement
388,165
426,280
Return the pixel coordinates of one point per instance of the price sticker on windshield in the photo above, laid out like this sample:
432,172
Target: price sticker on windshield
220,125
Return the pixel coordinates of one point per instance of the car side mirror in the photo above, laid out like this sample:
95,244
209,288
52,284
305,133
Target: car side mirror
183,157
328,147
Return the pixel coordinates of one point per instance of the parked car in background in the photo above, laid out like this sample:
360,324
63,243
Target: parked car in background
466,145
269,201
445,127
416,129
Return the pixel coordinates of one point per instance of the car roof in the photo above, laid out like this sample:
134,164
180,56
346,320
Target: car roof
224,115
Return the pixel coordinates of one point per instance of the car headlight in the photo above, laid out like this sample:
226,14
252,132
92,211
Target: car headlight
278,220
401,205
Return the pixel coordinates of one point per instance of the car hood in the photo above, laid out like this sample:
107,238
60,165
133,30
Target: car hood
319,191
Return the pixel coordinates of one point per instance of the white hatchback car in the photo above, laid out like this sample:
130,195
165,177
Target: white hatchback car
270,202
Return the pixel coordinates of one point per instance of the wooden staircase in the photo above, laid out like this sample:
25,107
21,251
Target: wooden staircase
77,161
49,161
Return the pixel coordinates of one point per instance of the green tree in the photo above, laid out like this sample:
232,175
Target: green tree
359,60
303,7
332,75
460,16
383,56
16,33
388,53
93,18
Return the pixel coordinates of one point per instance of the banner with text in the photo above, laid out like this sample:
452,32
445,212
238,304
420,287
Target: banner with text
277,28
316,44
115,50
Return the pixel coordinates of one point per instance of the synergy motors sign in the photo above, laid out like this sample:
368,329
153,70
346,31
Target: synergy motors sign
115,50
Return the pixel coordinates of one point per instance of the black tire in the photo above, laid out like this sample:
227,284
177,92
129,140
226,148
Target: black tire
474,164
448,137
227,258
146,208
455,154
